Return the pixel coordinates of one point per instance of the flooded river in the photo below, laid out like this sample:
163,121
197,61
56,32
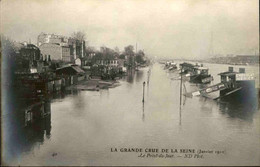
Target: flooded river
82,127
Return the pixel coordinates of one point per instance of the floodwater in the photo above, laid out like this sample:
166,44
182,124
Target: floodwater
83,126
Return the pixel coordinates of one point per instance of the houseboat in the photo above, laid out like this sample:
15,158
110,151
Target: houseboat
239,86
201,75
187,68
196,73
234,87
170,66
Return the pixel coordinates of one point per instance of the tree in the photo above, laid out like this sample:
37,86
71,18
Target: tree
107,52
129,50
116,49
140,57
90,49
79,35
122,56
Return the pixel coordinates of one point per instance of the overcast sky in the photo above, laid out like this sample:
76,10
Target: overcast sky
168,28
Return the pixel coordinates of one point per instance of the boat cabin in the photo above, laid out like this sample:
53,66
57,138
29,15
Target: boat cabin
238,84
201,71
187,67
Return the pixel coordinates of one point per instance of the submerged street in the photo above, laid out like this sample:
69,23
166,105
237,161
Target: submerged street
84,126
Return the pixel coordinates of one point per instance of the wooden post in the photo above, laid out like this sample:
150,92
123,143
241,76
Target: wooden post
180,95
143,91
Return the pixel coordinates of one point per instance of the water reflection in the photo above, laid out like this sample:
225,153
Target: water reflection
180,116
139,75
130,76
206,104
28,123
29,126
242,111
143,117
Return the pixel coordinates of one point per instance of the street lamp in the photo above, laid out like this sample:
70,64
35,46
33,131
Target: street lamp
143,91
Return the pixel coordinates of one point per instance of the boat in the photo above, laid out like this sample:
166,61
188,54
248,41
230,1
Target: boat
187,68
196,73
170,65
201,75
240,86
236,87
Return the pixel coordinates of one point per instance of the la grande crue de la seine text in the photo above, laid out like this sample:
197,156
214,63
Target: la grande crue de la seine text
156,150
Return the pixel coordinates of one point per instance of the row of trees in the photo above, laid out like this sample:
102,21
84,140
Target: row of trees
106,53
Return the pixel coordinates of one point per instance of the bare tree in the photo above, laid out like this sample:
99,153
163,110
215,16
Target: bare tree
79,35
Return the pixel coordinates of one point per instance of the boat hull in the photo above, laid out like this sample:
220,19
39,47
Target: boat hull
243,92
201,79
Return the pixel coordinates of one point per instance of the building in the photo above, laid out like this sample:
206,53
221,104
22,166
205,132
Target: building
107,62
56,51
51,38
28,58
76,47
72,74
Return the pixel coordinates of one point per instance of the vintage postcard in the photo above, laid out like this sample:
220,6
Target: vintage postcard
130,82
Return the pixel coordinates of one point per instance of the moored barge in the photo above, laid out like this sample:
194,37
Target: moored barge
197,74
238,87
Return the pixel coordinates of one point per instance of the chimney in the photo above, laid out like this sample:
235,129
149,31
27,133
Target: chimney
230,69
242,70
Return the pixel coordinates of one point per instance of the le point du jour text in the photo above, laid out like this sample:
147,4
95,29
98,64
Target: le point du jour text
167,153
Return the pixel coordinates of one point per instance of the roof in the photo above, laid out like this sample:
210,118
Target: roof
18,46
50,44
187,64
202,68
70,70
78,69
228,73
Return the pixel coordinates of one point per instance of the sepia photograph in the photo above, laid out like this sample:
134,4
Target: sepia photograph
130,83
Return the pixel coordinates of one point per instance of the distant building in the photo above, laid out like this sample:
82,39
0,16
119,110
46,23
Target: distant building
76,47
250,59
56,52
51,38
28,58
108,62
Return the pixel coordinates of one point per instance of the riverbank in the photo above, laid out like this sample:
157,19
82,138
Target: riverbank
94,85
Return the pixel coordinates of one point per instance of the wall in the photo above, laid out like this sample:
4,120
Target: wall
66,54
51,49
